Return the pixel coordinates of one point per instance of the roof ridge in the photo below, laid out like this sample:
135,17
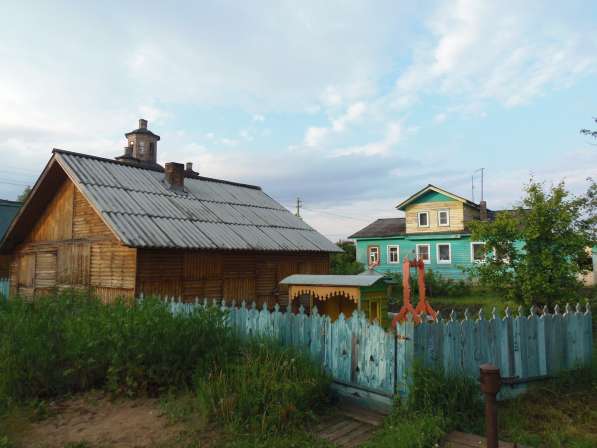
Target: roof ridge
149,168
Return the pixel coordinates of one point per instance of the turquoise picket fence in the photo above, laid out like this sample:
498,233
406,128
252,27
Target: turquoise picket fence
525,347
362,354
353,350
4,288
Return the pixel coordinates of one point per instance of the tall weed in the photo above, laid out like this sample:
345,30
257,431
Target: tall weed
264,387
71,342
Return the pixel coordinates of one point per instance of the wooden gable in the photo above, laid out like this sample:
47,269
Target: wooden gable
66,244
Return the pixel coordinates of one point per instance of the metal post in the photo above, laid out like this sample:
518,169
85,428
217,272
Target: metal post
490,386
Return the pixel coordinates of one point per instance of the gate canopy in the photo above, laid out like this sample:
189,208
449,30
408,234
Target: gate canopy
323,287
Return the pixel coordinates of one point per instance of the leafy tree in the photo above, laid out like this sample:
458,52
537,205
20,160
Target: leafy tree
537,250
24,194
346,262
590,132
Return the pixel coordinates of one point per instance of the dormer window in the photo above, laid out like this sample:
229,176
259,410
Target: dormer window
423,219
443,218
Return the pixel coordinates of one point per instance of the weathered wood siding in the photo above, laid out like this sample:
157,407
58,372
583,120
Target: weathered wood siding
231,275
5,261
70,246
456,216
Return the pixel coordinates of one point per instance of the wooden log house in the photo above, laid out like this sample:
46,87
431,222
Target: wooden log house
122,227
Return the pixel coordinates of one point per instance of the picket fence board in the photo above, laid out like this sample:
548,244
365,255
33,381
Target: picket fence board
362,353
4,287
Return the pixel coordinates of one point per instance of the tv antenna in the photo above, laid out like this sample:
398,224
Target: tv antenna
479,170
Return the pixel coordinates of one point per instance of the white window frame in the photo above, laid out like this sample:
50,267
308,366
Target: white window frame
447,211
369,251
428,252
392,246
473,243
449,261
419,218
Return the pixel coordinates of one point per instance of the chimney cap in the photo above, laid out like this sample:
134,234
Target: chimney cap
142,129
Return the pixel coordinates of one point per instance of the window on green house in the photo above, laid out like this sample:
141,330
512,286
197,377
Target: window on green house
443,218
478,252
393,254
444,253
424,253
373,254
423,219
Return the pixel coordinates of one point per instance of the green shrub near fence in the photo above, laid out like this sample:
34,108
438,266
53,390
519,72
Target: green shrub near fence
69,343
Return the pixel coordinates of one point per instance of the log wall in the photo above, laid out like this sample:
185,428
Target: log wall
223,274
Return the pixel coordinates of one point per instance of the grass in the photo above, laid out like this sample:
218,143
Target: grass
264,388
436,405
70,343
258,393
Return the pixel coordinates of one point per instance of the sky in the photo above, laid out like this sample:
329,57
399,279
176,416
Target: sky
351,106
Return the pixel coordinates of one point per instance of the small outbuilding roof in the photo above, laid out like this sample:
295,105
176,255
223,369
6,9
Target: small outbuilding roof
332,280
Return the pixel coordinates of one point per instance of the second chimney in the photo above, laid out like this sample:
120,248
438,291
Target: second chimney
483,211
174,175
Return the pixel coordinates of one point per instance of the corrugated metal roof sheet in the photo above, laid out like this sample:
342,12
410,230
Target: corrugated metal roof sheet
332,280
209,214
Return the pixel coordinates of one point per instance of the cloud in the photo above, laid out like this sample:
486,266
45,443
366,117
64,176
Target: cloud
496,51
314,135
393,135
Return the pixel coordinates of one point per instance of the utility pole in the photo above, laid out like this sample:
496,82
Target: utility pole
299,204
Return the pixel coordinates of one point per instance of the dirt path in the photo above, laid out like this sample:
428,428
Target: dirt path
94,421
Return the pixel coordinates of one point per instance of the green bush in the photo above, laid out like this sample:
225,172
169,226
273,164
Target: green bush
436,285
264,387
69,342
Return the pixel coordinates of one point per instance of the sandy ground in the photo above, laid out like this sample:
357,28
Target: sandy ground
100,422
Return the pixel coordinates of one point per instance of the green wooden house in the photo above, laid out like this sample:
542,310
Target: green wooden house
434,229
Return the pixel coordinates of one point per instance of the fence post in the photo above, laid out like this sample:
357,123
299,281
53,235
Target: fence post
490,386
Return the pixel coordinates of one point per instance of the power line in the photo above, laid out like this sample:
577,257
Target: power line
7,182
336,214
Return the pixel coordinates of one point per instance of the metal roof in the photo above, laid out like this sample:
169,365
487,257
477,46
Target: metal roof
209,214
332,280
383,227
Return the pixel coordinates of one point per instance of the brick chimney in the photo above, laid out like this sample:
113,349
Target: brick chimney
483,211
174,175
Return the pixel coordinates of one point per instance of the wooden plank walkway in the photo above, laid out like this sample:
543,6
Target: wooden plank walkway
461,440
351,426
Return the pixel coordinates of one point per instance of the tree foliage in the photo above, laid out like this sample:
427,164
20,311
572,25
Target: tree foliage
537,250
346,262
590,132
24,194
